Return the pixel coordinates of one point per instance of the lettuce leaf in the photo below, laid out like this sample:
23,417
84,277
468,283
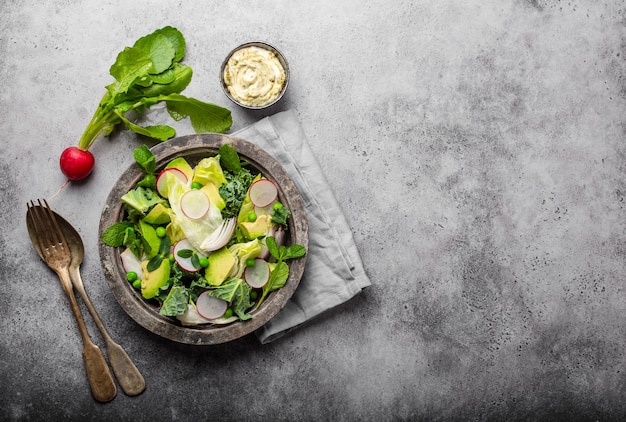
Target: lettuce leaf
208,170
141,199
242,252
196,231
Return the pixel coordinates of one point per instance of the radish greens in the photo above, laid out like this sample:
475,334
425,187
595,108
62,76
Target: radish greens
148,73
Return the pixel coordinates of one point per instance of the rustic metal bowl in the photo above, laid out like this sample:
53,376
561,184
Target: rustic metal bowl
281,60
145,313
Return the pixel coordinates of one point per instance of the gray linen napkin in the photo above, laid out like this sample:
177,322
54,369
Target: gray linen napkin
334,271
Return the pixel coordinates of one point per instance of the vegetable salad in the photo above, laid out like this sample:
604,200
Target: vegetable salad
203,243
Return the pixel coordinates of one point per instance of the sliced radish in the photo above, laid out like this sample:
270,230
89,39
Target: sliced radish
263,192
210,307
185,262
195,204
161,183
257,275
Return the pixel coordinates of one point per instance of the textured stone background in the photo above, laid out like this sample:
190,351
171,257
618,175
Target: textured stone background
477,149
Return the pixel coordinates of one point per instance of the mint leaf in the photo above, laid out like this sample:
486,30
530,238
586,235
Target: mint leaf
270,242
154,263
294,251
229,159
185,253
278,277
165,246
195,261
145,159
115,235
280,273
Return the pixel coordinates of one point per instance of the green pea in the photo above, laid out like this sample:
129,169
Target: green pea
251,216
160,231
250,262
204,262
277,205
254,295
131,276
196,185
137,284
228,313
171,258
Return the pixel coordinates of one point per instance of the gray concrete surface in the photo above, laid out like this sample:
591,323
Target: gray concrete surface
477,148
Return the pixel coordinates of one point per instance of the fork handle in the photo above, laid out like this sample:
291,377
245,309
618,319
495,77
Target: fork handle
127,374
98,373
100,379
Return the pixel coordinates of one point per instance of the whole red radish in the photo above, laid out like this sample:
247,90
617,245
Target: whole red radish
76,163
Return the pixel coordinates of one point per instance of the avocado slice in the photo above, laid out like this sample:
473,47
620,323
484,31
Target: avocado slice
152,281
221,263
151,241
158,215
246,207
213,193
253,229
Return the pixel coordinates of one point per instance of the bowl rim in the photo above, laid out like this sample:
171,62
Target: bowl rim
144,313
281,58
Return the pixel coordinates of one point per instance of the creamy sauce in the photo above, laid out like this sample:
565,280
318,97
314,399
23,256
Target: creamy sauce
254,76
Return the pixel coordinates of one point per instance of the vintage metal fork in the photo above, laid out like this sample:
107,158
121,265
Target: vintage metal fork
56,254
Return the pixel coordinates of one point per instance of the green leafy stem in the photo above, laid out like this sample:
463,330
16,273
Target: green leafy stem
280,273
148,73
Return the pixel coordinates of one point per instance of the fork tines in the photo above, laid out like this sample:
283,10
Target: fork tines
49,233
